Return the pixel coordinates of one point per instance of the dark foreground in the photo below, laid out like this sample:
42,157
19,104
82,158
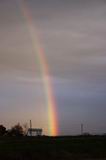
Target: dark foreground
48,148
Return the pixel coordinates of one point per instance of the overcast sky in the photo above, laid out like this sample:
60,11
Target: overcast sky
73,35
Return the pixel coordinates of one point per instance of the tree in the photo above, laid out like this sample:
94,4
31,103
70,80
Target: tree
25,128
16,130
2,130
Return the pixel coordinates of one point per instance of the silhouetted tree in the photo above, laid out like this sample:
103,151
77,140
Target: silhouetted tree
2,130
16,130
25,128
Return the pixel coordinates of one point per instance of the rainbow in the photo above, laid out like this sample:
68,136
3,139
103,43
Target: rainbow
44,69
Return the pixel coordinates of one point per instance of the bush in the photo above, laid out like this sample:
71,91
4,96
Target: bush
16,130
2,130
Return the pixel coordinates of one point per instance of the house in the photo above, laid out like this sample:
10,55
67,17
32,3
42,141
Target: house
34,132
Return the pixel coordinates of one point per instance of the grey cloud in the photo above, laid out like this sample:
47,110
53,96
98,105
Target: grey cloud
73,35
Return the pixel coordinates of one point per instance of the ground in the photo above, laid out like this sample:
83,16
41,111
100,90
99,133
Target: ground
53,148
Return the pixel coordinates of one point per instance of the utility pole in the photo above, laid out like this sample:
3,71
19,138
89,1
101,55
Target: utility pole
82,129
30,128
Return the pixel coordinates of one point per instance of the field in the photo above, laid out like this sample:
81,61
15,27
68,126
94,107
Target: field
49,148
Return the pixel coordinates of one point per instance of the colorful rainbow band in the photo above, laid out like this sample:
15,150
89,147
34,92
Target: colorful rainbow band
44,69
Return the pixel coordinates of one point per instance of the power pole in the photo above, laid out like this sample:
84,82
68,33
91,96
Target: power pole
30,128
82,129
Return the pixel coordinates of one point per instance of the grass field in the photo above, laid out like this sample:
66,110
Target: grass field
49,148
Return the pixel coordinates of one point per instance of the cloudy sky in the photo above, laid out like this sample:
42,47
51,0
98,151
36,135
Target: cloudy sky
73,35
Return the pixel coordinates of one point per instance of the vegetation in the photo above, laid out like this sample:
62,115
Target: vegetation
49,148
14,145
2,130
16,130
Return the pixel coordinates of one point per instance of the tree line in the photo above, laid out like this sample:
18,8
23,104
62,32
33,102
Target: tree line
16,130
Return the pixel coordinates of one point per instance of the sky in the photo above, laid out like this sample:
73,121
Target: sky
73,36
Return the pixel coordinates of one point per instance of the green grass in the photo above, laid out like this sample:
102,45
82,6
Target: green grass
30,148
